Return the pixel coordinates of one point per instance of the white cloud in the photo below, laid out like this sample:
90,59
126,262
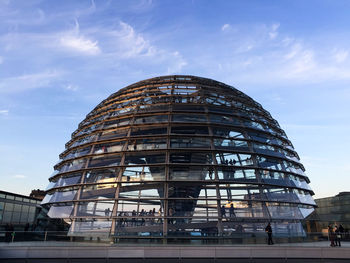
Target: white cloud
81,44
4,112
28,81
71,87
303,62
19,176
76,41
131,44
340,55
125,43
273,32
176,67
1,60
293,51
225,27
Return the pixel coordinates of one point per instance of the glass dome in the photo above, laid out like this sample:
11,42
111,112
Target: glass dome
179,157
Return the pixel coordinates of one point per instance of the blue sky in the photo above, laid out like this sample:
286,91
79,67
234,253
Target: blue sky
59,59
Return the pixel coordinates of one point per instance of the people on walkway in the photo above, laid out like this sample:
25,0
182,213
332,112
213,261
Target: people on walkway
223,211
342,231
232,211
331,235
337,236
268,230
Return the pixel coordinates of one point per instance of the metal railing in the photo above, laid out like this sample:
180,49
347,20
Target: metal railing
17,237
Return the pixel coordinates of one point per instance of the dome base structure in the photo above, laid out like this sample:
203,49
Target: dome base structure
179,157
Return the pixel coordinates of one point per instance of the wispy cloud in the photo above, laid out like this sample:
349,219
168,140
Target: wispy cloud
273,56
340,55
28,81
76,41
273,32
19,176
131,44
1,60
71,87
225,27
4,112
81,44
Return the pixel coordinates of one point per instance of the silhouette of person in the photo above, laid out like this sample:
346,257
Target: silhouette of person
223,211
232,211
268,230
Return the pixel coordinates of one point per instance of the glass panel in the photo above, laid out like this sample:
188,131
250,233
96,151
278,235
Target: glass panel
147,144
116,123
64,195
279,211
148,131
99,191
230,173
108,135
108,147
231,144
264,138
90,129
281,195
15,217
46,198
73,165
143,173
6,218
204,158
190,142
17,208
60,211
189,118
141,191
102,208
85,139
234,159
69,180
189,130
191,173
99,161
151,119
101,176
191,108
270,163
137,209
227,132
224,119
77,153
144,158
90,227
51,185
253,124
154,108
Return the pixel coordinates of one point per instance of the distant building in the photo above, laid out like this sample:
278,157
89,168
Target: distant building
17,209
38,194
333,210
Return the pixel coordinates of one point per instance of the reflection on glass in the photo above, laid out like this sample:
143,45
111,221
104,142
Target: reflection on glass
101,208
147,144
143,173
101,176
190,143
102,160
58,211
191,173
99,191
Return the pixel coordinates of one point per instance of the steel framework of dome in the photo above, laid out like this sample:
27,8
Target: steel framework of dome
179,156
